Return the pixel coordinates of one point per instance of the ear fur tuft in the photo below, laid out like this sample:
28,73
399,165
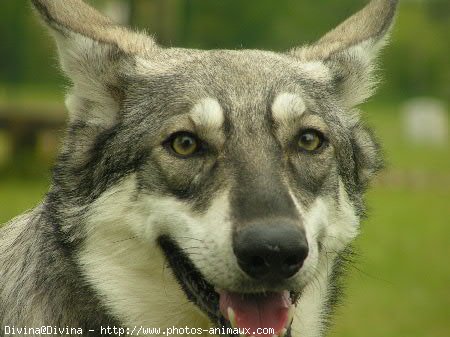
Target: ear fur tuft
351,48
94,53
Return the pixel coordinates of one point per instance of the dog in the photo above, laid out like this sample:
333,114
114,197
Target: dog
208,192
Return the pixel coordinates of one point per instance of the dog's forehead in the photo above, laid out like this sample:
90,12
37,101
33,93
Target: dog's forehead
245,84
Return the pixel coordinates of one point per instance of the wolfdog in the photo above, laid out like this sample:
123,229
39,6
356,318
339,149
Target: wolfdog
196,192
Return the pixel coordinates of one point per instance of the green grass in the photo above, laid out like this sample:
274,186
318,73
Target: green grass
17,195
400,286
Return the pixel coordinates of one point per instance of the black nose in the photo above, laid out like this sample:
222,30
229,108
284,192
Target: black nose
270,251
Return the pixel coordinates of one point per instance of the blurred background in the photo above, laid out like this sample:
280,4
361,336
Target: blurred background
399,284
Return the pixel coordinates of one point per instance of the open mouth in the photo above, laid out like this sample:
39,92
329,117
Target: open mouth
235,314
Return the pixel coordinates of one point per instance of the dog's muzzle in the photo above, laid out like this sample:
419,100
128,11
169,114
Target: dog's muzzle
268,254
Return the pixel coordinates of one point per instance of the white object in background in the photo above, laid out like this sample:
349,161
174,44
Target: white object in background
425,121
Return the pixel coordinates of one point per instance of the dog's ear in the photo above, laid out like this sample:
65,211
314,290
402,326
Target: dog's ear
350,50
93,51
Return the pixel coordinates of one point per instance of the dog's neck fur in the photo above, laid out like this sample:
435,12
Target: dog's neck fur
41,282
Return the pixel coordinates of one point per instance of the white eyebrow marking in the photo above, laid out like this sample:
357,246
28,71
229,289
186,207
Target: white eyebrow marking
207,113
287,106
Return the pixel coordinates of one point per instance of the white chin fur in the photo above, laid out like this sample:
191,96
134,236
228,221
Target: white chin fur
128,270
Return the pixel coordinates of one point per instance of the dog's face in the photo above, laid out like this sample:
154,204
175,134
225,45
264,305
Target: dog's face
245,168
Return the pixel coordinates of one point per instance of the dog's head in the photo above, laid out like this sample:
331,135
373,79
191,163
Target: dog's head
245,167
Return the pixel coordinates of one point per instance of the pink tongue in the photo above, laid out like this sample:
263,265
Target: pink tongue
257,311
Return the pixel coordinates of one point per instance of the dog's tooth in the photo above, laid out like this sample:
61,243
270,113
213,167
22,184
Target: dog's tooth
232,317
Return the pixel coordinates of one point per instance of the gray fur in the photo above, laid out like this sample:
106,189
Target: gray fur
128,96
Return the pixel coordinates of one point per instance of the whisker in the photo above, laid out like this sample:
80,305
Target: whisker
130,238
190,238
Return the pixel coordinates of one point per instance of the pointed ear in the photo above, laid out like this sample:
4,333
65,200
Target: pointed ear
350,50
93,52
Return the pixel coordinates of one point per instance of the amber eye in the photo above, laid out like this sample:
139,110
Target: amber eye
184,144
310,140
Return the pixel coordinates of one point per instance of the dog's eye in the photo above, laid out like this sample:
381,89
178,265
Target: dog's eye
185,144
310,140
